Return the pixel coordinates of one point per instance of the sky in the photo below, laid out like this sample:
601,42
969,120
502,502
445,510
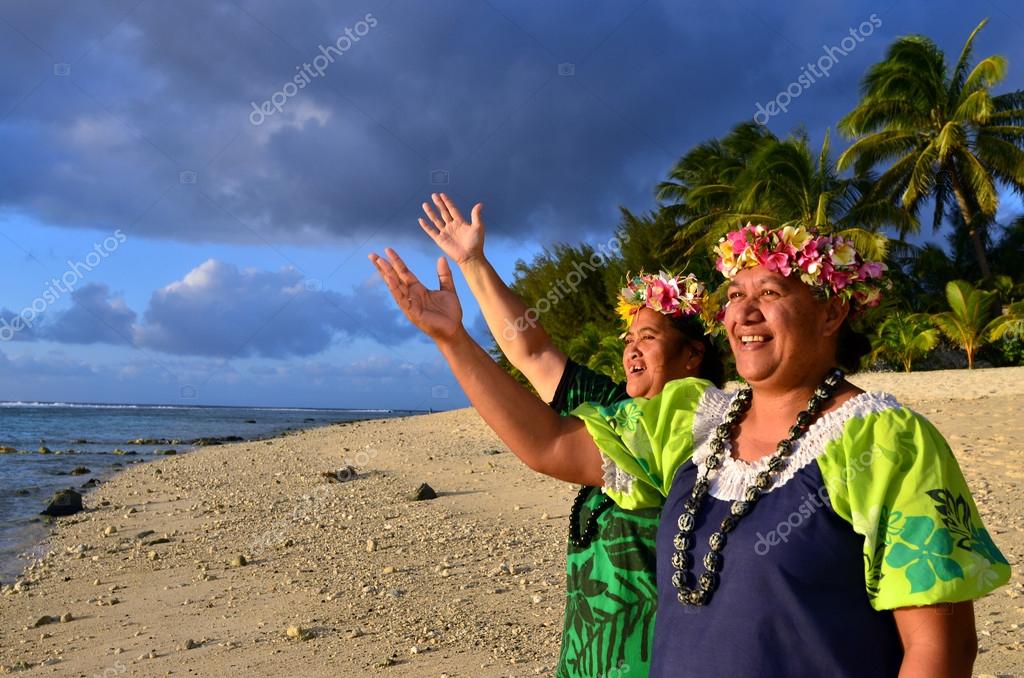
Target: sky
189,190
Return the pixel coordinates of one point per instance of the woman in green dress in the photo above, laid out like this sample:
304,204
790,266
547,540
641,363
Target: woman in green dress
610,558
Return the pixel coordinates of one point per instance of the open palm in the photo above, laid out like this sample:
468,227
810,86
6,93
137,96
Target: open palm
460,239
438,313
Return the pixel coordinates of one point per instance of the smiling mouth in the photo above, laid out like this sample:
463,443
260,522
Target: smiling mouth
637,369
753,339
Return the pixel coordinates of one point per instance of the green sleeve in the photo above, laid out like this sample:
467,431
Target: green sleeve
645,441
580,384
892,476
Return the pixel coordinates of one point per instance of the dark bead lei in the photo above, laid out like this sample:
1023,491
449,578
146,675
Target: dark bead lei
682,559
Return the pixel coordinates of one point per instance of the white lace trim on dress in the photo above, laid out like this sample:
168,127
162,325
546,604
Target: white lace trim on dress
734,476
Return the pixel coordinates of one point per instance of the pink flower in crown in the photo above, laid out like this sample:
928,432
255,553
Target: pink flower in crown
840,279
776,261
738,239
663,295
871,269
809,260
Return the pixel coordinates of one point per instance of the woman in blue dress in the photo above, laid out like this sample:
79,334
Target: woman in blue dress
809,528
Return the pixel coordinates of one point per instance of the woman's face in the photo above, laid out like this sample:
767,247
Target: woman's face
656,353
780,333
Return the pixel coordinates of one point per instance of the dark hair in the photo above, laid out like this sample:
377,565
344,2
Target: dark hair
711,367
851,346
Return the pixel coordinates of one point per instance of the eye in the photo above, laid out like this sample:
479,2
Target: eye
734,295
768,292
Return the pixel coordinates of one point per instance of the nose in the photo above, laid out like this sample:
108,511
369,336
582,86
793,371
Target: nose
745,309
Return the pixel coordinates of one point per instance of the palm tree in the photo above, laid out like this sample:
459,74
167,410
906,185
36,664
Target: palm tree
905,338
1009,324
945,135
751,175
968,322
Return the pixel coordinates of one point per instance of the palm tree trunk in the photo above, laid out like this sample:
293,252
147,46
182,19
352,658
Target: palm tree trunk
972,231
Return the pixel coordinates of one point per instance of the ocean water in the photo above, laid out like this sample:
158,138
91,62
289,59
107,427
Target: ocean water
87,435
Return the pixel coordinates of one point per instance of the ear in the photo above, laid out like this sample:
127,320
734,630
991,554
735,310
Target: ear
698,353
836,311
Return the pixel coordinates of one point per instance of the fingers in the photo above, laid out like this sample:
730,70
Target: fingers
397,288
429,229
403,272
441,207
476,214
444,275
434,219
452,209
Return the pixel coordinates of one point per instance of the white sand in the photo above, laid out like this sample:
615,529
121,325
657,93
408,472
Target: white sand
448,596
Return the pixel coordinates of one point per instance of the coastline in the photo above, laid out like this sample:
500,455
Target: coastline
472,581
43,450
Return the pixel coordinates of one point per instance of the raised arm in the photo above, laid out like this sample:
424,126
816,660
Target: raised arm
548,443
520,337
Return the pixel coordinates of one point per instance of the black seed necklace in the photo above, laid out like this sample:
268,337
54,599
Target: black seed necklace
583,540
682,560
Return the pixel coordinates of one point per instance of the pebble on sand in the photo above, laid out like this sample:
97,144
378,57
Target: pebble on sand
423,493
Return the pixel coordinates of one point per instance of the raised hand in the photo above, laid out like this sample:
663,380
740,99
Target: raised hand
437,313
461,240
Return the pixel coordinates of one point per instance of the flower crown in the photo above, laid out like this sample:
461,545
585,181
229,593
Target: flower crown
829,263
674,296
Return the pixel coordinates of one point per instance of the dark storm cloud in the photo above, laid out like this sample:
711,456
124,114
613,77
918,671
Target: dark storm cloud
137,114
95,316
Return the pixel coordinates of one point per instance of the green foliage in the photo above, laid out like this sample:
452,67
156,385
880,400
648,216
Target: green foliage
968,322
904,338
598,350
941,134
934,131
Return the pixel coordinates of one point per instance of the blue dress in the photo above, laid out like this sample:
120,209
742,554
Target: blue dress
792,542
871,513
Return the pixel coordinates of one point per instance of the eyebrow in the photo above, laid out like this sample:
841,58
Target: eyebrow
644,329
759,281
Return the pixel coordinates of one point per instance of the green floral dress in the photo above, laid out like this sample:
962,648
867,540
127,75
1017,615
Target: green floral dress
610,588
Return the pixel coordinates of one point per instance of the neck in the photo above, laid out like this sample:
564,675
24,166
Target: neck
785,402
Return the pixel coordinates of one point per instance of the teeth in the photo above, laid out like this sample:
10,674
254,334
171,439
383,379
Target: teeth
748,338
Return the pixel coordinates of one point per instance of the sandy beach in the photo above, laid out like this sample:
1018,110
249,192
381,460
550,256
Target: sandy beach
244,558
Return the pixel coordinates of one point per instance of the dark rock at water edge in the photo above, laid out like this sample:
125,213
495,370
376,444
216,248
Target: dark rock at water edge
80,471
205,442
91,483
64,503
423,493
